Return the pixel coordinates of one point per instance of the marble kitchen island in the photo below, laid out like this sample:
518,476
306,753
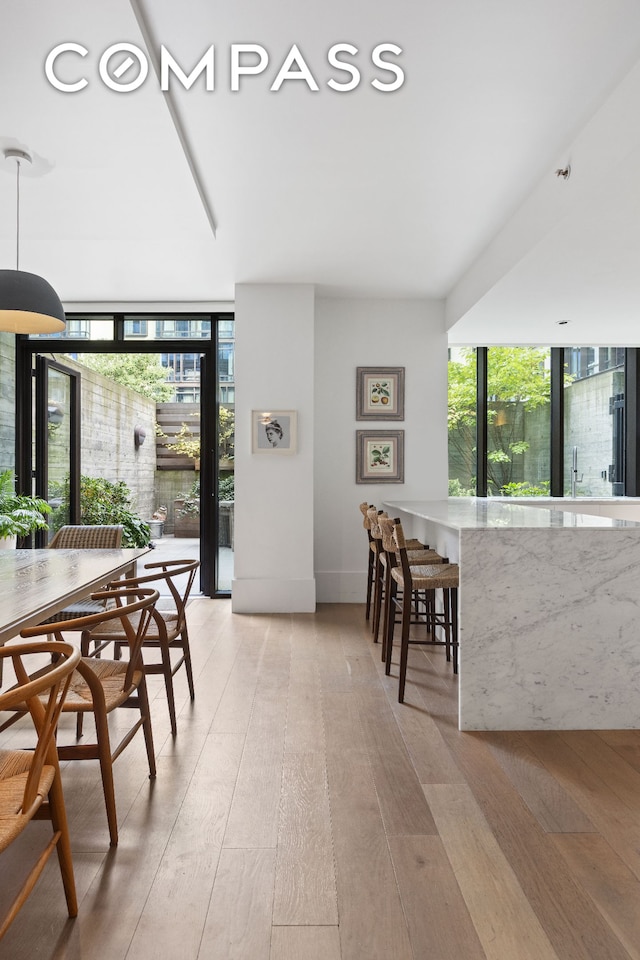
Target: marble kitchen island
549,607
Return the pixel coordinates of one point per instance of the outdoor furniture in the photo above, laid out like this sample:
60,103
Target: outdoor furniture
30,785
100,686
167,630
85,537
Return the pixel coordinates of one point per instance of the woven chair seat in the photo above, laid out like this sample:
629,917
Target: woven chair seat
14,769
417,557
112,629
443,576
111,676
81,608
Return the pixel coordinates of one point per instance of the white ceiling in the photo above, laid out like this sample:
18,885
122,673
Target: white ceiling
445,188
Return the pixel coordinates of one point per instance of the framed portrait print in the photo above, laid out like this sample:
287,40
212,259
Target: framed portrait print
273,431
379,456
380,393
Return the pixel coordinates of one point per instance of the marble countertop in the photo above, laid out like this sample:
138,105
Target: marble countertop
468,513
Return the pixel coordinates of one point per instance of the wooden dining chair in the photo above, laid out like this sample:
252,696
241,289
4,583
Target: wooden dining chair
80,536
30,785
167,631
100,686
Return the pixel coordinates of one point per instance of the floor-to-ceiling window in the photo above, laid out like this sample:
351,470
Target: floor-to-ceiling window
463,469
534,421
518,421
168,370
594,422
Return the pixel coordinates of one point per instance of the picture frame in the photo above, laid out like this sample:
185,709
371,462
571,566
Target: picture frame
274,432
379,456
380,393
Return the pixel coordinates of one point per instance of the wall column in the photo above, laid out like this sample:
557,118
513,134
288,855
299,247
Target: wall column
273,548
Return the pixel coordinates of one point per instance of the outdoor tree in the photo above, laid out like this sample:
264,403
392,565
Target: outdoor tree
187,442
142,372
518,382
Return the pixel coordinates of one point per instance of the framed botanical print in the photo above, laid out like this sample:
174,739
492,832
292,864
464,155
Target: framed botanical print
379,456
380,393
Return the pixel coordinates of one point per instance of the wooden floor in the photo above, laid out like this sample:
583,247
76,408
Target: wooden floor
302,814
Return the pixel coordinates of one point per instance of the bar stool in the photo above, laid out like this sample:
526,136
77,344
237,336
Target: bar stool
376,542
370,518
413,581
389,560
371,558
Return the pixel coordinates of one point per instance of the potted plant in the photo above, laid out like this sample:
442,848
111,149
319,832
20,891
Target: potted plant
20,515
186,516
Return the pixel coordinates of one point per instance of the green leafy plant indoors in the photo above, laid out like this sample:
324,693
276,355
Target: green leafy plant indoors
20,515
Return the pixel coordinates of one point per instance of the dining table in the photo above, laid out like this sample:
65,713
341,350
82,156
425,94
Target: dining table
35,584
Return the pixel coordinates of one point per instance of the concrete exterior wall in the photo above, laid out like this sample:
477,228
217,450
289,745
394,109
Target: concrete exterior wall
7,401
110,412
590,429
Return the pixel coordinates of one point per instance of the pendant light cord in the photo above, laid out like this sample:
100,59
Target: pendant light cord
17,214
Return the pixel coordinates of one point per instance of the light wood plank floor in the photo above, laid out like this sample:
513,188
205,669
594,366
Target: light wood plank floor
303,814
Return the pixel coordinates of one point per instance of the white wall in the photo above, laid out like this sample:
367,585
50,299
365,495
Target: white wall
273,550
349,334
298,529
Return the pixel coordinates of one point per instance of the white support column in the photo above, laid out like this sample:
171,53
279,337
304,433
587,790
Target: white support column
273,549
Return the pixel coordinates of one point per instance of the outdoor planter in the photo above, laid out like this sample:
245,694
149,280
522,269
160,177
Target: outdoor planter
186,524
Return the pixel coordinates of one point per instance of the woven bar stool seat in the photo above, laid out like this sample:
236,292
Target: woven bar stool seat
417,584
417,557
434,576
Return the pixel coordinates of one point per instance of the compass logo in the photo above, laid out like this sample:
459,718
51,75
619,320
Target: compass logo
124,67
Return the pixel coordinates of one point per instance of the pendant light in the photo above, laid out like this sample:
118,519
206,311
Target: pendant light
28,303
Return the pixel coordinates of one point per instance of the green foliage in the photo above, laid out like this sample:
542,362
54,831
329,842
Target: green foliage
518,382
19,515
226,487
457,490
106,502
226,434
188,443
190,501
142,372
526,489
